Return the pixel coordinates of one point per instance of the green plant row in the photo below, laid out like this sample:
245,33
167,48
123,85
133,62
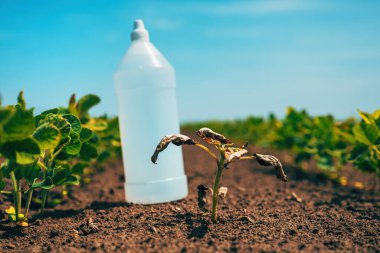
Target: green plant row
48,150
331,143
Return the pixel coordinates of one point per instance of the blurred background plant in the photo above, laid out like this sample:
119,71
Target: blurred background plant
330,143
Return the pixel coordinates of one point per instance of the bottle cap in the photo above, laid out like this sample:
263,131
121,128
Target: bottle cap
139,32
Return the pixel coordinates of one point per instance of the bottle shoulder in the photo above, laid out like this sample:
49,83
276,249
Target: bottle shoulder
142,55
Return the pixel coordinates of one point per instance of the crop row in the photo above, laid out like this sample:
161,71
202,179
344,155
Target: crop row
330,143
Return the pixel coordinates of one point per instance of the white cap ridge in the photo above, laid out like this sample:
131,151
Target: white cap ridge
139,32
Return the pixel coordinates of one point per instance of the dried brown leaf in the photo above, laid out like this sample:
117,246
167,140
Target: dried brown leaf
176,139
222,192
268,160
212,137
89,227
233,154
202,194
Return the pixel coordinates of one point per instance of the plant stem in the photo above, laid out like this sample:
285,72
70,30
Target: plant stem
30,194
54,155
44,198
6,192
216,187
208,151
19,195
15,194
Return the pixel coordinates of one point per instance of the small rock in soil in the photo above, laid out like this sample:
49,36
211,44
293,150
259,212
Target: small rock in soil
54,233
246,219
75,234
97,244
10,246
38,223
301,246
292,232
294,197
153,229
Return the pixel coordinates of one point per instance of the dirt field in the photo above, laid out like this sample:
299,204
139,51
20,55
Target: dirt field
259,214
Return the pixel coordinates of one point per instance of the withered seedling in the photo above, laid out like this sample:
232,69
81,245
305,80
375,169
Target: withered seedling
228,154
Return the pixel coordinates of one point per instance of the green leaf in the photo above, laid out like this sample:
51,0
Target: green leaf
325,162
96,125
60,122
86,134
60,175
78,168
21,100
357,151
24,152
66,141
347,137
72,180
366,133
19,125
103,156
2,185
365,165
30,173
46,184
54,202
74,122
48,136
88,151
74,137
6,112
74,147
303,156
376,114
85,103
366,117
72,105
53,111
8,167
43,115
18,173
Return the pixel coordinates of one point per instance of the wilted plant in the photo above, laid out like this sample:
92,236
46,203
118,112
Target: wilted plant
228,154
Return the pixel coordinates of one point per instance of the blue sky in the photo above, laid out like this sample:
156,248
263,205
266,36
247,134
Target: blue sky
232,58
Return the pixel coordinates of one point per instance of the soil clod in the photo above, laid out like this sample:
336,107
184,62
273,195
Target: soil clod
88,228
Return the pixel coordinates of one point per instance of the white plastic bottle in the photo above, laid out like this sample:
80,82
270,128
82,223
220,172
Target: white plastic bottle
145,86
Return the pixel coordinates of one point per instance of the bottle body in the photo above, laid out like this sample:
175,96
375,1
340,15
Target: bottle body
147,112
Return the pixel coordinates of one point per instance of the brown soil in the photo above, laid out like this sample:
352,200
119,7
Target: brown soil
259,214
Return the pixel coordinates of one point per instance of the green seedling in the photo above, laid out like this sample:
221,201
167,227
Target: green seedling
44,151
227,154
366,152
